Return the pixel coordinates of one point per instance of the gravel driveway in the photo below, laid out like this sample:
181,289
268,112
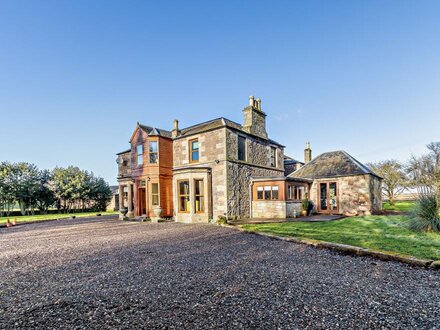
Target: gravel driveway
111,274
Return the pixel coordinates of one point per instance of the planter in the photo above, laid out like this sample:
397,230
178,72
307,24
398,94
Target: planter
123,213
158,212
304,213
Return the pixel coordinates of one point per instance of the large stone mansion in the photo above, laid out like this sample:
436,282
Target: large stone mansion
222,168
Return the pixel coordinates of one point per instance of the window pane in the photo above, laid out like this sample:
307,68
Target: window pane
153,146
267,192
153,158
323,195
199,187
273,157
155,188
183,187
241,148
332,196
140,151
195,156
275,192
195,145
260,194
184,204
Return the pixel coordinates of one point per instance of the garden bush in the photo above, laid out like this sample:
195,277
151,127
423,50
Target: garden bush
425,215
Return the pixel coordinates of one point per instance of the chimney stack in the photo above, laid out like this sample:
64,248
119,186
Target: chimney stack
254,118
307,153
175,132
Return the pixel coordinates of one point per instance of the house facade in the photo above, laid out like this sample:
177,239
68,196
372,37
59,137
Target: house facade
221,168
335,182
201,172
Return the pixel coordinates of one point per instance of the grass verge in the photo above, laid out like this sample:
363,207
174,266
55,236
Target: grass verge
379,233
403,206
44,217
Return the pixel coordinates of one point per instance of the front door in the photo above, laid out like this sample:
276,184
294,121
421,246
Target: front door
328,197
142,209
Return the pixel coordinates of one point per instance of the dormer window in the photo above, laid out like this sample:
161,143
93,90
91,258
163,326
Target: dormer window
140,154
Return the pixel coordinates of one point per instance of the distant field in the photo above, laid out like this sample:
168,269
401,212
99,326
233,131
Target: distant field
32,218
403,206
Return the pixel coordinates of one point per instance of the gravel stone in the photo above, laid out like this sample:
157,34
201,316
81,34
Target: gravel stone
104,273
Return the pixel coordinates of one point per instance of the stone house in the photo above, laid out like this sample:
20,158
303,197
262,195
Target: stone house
222,168
335,182
201,172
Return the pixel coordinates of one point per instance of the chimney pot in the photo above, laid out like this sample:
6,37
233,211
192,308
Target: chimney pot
258,103
251,101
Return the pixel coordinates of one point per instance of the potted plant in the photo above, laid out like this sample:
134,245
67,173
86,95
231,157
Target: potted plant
305,206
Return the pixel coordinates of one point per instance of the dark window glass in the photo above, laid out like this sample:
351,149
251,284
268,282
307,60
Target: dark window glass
273,157
241,148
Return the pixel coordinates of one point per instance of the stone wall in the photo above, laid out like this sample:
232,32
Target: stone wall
355,194
212,154
239,173
257,150
238,187
291,206
268,209
124,165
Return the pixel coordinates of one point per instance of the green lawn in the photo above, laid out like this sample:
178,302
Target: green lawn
380,233
404,206
28,218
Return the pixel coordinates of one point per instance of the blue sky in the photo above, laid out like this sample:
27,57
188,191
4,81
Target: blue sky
76,76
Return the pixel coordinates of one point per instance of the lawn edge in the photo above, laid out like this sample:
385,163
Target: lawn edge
58,219
347,249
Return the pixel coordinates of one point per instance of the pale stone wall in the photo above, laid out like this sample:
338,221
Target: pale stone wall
212,153
191,175
291,206
357,194
269,209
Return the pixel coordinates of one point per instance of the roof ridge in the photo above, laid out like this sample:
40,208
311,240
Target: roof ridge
358,163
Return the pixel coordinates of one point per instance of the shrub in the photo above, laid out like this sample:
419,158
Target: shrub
425,215
221,220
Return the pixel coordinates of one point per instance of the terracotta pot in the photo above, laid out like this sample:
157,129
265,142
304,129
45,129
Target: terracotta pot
304,213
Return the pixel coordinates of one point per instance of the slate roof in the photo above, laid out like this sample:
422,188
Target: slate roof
155,131
199,128
330,165
124,152
290,161
215,124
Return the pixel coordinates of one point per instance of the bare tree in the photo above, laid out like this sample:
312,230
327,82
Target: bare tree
394,179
